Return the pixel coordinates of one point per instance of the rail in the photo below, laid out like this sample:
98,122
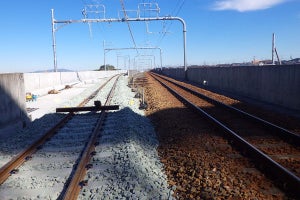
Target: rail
290,182
77,181
12,166
281,132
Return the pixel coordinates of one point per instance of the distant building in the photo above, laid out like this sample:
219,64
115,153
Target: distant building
261,62
295,61
254,62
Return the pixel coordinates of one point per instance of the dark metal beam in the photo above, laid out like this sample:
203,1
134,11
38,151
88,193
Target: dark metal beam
97,107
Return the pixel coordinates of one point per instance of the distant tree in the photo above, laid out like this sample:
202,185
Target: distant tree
108,67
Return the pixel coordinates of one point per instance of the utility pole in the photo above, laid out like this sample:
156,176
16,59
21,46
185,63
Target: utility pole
273,48
274,51
54,41
104,54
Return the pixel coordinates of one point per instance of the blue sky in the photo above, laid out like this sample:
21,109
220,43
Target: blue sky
218,31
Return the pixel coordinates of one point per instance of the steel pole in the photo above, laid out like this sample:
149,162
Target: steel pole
129,64
54,41
184,45
160,59
184,49
104,61
104,55
273,46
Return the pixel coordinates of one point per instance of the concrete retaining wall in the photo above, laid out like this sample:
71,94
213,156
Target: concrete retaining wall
177,73
13,88
12,96
279,85
41,83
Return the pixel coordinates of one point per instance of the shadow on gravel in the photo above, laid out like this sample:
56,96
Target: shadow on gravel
185,148
192,149
127,159
21,138
134,166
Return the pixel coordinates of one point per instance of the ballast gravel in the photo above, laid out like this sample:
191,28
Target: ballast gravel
22,138
45,174
126,165
44,117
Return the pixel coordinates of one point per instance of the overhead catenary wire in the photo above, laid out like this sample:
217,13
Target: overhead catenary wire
99,25
128,24
166,26
176,14
180,6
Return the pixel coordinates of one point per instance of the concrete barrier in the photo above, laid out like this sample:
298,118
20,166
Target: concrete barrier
279,85
13,89
177,73
41,83
12,95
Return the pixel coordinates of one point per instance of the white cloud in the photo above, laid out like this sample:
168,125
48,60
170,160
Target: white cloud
246,5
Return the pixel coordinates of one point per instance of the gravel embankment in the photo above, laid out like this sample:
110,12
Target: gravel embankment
126,165
44,176
197,159
45,117
263,139
14,144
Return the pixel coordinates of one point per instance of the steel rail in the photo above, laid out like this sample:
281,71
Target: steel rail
11,167
288,181
280,131
95,92
77,182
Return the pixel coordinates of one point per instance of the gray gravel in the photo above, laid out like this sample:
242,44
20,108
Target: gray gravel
44,176
22,138
126,165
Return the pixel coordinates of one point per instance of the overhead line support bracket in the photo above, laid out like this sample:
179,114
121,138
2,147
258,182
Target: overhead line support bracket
110,20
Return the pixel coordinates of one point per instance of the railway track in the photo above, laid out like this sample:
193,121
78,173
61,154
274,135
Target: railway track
277,155
122,162
57,160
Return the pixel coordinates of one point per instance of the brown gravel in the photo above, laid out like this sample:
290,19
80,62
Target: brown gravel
261,138
198,161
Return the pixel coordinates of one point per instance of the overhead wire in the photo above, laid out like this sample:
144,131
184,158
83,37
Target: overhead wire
99,26
128,24
147,29
170,24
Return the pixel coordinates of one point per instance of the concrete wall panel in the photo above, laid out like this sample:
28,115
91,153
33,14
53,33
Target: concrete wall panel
68,78
174,72
12,95
13,88
41,83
